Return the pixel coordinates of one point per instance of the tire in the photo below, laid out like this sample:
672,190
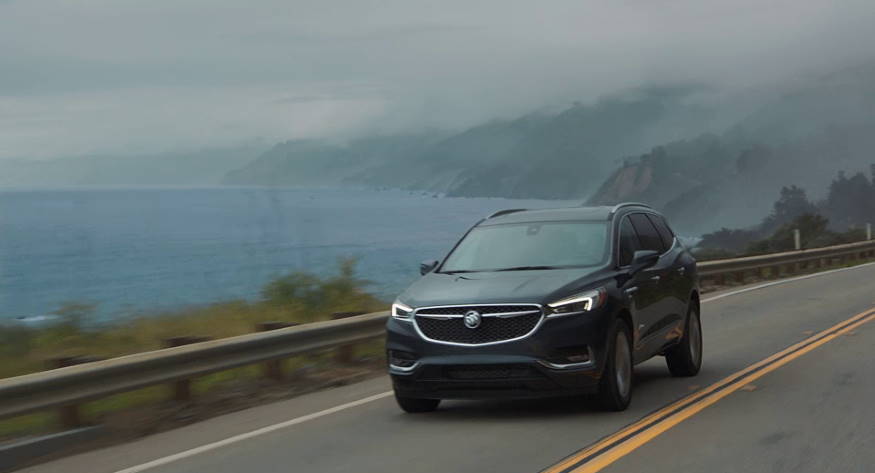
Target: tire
415,405
615,386
685,358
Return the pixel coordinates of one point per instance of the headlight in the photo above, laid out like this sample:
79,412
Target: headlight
583,302
401,311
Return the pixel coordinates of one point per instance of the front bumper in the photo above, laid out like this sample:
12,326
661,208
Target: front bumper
535,366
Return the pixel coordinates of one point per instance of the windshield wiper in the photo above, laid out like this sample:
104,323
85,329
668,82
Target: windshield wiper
526,268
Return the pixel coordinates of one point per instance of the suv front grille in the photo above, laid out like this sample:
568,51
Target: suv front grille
499,323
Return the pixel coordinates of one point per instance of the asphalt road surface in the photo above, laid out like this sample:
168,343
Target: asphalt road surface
809,410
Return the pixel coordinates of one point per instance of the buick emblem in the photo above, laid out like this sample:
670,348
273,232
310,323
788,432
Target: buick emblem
473,319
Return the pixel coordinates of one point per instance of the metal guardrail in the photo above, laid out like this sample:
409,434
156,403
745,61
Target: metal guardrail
71,385
718,269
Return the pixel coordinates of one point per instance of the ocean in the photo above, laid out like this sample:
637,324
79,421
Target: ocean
143,250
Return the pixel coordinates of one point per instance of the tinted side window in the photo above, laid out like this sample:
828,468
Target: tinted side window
650,239
664,232
628,242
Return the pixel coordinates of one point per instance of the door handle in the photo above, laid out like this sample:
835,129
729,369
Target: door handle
682,270
654,278
632,290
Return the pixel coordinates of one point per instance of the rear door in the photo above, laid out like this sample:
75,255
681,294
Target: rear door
676,280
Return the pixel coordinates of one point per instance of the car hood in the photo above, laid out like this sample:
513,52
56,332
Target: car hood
495,287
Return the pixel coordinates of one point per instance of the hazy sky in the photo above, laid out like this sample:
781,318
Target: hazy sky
139,76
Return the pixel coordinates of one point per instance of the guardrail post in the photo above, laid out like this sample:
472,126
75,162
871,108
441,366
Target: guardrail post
70,415
344,352
273,369
182,387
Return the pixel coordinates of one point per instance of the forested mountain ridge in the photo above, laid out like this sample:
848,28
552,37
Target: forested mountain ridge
657,145
804,139
539,155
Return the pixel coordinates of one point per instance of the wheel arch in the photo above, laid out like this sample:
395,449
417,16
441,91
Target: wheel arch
626,316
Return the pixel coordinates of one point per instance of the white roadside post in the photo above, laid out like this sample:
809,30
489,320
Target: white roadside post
868,231
797,240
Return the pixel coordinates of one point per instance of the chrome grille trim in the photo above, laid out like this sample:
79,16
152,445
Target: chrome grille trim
501,315
536,308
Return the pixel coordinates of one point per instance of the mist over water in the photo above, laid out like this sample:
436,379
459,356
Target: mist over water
135,250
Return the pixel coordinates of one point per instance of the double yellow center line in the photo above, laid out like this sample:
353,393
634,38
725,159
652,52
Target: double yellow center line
615,446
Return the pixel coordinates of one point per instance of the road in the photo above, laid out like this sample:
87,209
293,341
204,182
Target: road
812,412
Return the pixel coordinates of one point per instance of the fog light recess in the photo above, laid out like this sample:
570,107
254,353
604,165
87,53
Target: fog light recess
402,359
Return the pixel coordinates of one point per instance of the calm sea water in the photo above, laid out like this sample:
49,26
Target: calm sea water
141,250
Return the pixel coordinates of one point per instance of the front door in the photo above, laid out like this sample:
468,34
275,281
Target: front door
659,328
642,290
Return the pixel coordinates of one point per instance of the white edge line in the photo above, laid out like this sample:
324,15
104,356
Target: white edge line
349,405
249,435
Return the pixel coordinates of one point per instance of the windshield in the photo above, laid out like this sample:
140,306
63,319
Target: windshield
525,246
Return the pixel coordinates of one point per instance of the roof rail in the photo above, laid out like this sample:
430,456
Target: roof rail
628,204
505,212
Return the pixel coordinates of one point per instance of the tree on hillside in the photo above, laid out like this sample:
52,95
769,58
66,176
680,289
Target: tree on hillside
792,204
851,202
840,218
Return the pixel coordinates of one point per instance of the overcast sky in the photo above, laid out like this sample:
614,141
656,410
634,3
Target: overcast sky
140,76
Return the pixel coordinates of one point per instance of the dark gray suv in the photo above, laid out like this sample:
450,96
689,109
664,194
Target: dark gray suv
535,303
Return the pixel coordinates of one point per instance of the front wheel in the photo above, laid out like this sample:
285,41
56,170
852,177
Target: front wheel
685,358
615,387
415,405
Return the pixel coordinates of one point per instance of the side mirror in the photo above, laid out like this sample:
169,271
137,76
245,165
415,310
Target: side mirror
427,266
643,259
